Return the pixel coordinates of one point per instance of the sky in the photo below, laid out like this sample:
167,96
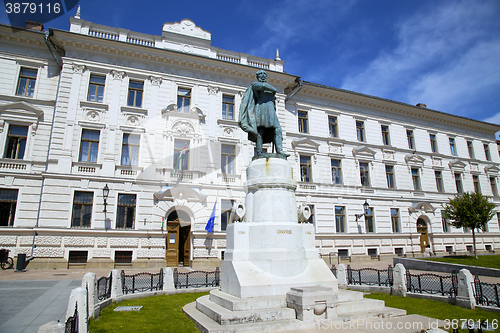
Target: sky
445,54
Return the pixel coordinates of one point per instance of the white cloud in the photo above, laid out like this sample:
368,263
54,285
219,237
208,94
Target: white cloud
444,56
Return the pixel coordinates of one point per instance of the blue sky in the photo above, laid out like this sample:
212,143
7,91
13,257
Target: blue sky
445,54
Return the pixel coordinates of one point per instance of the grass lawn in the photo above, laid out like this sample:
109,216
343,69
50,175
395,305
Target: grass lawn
161,313
491,261
435,309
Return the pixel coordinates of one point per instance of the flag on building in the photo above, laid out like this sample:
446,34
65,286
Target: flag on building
211,221
179,159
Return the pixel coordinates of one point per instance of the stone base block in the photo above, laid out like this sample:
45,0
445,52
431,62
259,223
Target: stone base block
205,263
100,263
312,303
149,263
386,256
360,258
47,263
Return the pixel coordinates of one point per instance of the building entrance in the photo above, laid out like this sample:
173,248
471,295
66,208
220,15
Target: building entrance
422,230
178,240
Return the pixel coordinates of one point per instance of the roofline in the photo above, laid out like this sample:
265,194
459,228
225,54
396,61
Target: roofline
400,103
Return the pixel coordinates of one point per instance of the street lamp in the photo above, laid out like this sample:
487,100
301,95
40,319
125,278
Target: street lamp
366,206
105,193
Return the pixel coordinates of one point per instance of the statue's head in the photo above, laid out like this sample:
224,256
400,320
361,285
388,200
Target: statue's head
261,76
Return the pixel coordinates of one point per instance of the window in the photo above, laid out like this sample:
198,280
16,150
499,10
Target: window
183,99
445,223
343,253
360,130
493,183
411,140
227,159
389,174
449,249
369,221
130,149
432,138
399,251
305,168
439,181
340,219
89,146
458,182
336,172
373,253
303,122
82,209
470,148
364,174
126,211
123,257
385,135
452,147
8,202
96,88
396,225
27,80
477,186
181,159
16,142
332,126
227,107
487,152
225,213
135,90
416,179
77,257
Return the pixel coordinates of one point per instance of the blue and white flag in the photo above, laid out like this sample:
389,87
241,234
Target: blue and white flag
211,221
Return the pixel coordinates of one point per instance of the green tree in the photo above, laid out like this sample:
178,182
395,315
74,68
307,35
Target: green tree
469,210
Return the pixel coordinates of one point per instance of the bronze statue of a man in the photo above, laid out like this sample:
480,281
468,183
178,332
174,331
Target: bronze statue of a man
258,115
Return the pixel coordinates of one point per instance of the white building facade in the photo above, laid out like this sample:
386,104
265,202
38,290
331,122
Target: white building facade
98,107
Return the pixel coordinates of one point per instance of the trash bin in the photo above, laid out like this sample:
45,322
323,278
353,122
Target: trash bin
21,261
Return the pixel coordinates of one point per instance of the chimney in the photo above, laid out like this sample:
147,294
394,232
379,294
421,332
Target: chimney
32,25
422,105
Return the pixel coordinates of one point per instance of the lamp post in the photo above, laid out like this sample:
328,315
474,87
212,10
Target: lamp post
105,193
366,206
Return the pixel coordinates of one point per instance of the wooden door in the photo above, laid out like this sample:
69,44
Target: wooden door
185,240
424,238
172,239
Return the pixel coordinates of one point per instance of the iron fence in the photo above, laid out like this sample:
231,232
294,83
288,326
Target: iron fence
334,270
371,276
487,294
141,282
71,325
104,287
428,283
196,279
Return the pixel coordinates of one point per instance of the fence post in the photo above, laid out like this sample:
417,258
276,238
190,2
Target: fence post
399,282
89,282
78,299
342,276
465,293
168,278
116,284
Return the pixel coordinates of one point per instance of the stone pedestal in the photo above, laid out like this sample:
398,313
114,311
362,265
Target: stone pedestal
270,251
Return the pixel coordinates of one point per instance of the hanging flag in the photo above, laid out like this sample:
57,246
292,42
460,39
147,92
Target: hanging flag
211,221
181,156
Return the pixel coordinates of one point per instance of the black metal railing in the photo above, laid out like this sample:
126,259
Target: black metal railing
141,282
428,283
72,322
334,270
370,276
196,279
487,294
104,287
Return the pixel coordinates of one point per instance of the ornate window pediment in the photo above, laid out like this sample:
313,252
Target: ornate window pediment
305,144
414,159
421,207
491,169
180,193
363,152
457,165
194,112
20,111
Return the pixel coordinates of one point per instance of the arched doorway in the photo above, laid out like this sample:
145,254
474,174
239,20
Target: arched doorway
178,239
422,230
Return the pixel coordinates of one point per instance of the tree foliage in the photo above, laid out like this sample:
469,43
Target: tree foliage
469,210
